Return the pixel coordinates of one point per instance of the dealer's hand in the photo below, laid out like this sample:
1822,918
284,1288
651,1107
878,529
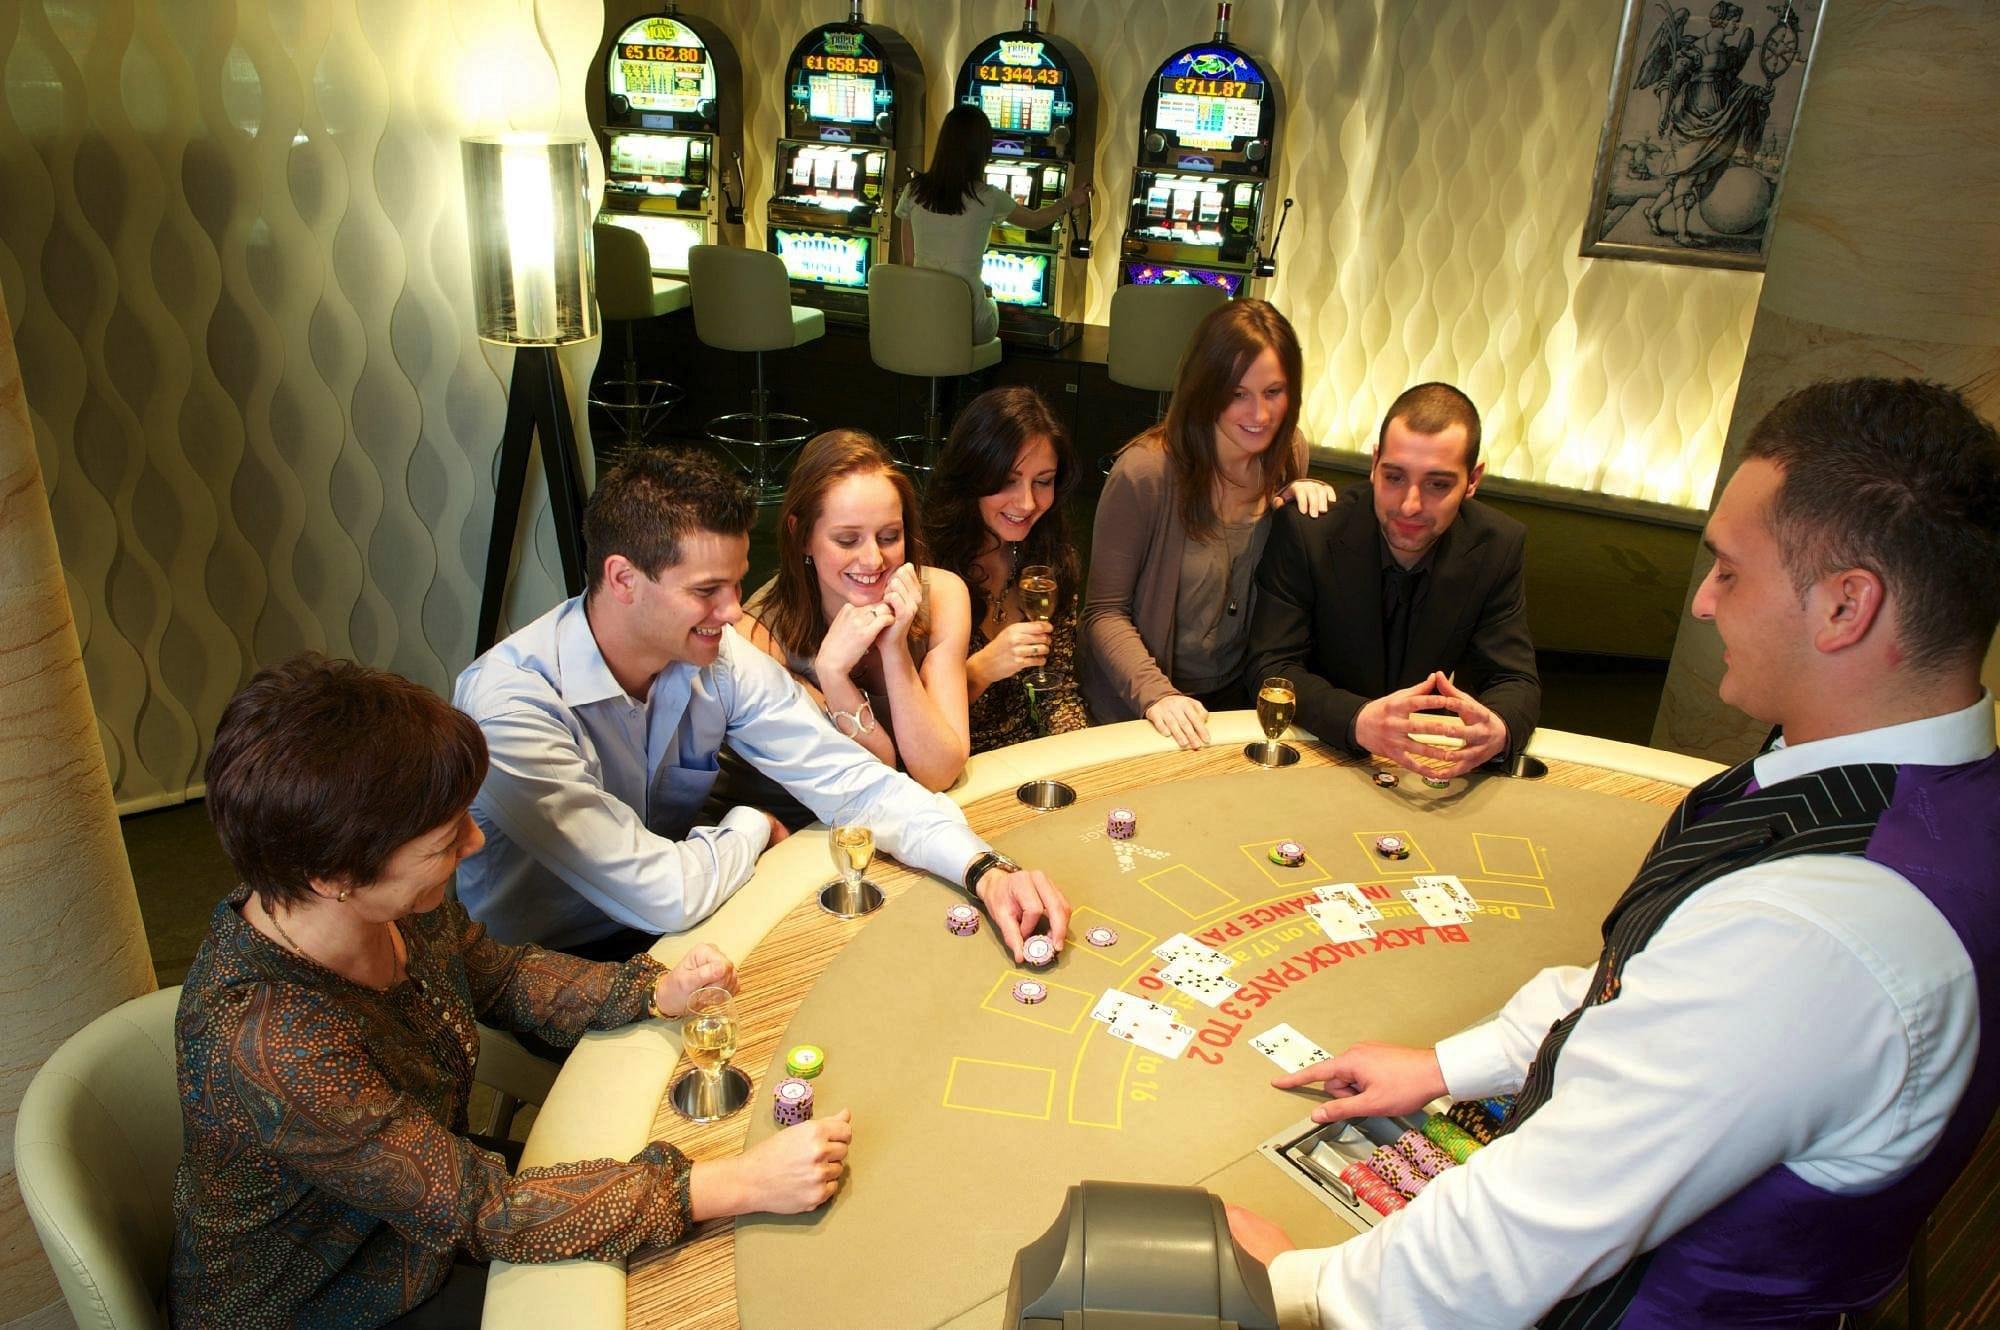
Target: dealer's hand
1259,1238
1371,1080
1018,901
702,967
1181,719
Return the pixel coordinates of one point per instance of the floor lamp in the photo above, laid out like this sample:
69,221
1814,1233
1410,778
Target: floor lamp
527,204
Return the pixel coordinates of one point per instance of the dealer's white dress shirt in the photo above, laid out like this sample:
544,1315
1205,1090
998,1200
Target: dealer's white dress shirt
1814,1011
589,804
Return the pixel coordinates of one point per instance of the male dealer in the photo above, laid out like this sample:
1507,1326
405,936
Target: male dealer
604,718
1405,599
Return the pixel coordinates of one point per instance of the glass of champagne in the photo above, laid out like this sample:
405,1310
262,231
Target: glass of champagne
1038,602
853,849
1277,703
713,1089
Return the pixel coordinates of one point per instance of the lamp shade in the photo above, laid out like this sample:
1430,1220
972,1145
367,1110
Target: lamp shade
527,213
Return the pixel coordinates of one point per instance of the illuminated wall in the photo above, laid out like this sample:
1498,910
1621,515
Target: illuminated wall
1440,154
234,239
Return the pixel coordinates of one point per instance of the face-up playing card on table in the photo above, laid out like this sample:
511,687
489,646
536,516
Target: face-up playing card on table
1114,1006
1437,906
1450,884
1147,1024
1200,981
1352,894
1182,947
1337,919
1288,1048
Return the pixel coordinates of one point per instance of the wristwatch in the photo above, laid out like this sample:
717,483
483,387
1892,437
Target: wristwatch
979,867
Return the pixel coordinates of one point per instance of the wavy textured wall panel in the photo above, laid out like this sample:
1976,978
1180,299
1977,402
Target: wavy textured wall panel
1440,155
236,237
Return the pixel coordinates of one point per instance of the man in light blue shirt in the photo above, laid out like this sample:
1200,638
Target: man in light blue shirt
604,718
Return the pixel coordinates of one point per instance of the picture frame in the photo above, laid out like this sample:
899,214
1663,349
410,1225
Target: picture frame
1697,131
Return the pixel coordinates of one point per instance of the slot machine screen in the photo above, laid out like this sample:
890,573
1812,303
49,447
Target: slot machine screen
842,98
1013,109
1210,98
660,65
816,256
1016,279
652,156
1161,274
668,239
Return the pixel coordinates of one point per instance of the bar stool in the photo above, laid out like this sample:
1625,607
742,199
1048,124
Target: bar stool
627,291
920,324
1150,329
743,302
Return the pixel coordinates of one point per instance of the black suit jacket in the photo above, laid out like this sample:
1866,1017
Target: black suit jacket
1318,616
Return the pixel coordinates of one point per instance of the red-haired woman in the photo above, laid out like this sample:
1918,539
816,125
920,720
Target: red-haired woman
1182,521
854,615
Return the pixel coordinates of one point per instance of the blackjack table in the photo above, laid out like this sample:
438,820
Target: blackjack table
974,1111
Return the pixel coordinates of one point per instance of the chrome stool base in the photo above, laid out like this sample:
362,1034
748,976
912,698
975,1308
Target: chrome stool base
637,407
778,430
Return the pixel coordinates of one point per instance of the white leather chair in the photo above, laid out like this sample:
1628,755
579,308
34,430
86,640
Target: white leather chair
1150,330
97,1142
743,302
627,291
920,324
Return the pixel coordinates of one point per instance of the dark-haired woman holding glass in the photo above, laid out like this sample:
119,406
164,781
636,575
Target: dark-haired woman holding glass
950,210
1182,521
995,506
326,1038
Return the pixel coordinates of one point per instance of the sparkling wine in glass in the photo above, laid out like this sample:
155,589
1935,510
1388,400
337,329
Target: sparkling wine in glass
1277,703
709,1031
853,849
1038,602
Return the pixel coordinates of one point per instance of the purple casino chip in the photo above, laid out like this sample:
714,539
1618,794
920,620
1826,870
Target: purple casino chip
1038,951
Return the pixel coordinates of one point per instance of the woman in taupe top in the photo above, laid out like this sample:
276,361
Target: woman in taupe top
1182,521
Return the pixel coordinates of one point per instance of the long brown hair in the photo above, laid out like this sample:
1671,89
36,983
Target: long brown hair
958,162
985,439
792,614
1224,346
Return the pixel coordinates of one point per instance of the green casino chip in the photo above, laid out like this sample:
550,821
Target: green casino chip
805,1061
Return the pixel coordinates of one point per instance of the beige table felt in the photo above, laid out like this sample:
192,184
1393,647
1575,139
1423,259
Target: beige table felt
911,1017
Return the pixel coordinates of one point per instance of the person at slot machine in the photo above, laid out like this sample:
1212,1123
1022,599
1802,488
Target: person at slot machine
1789,1046
1181,524
950,210
994,514
875,636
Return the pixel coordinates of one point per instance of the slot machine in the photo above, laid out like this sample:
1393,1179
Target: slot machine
1207,142
670,130
854,108
1040,96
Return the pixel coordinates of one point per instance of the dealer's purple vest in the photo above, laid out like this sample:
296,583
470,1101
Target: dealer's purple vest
1782,1252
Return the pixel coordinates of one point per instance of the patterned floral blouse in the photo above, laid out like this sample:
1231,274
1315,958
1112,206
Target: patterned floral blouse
328,1180
1007,713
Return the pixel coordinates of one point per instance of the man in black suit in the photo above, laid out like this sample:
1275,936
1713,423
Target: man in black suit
1401,611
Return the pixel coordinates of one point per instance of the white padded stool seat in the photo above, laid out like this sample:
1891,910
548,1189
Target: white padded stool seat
1150,329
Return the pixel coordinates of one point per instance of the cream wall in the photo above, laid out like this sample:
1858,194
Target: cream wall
233,234
1899,195
1440,154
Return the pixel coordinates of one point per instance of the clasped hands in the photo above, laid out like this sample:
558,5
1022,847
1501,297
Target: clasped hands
856,628
1385,726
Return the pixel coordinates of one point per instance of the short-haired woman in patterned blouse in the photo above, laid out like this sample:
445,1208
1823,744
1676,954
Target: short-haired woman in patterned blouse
326,1038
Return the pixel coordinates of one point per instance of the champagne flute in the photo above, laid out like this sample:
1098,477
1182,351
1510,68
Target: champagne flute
708,1033
1277,703
853,849
1038,602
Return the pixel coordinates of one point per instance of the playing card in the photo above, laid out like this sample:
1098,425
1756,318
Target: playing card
1453,886
1437,905
1288,1048
1114,1005
1180,946
1337,919
1154,1032
1347,891
1200,981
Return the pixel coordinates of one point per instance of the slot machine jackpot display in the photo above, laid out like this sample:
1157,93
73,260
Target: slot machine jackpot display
671,135
854,98
1207,140
1041,98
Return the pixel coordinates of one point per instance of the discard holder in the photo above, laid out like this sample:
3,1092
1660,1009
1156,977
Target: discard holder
1271,753
1044,795
1132,1254
700,1098
843,901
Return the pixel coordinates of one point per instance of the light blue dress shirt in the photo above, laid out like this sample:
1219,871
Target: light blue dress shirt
589,804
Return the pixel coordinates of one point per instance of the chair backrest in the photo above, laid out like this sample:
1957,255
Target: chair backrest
919,321
95,1148
624,272
1151,327
742,298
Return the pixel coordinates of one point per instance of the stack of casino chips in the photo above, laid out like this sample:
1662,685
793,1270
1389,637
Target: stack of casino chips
962,920
792,1102
1120,823
1288,852
1376,1194
1391,847
1474,1119
1394,1167
1449,1137
1499,1106
1419,1150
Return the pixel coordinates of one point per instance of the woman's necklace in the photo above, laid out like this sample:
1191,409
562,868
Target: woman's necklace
289,940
